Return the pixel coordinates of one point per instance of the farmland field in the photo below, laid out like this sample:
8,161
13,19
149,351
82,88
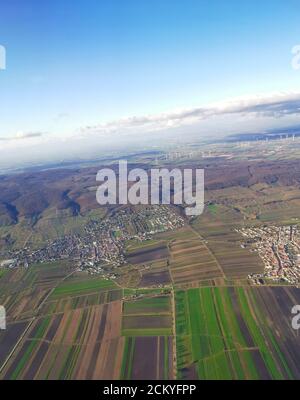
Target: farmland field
80,328
157,274
146,254
196,324
147,325
147,317
148,357
221,334
191,261
224,244
79,344
181,306
83,286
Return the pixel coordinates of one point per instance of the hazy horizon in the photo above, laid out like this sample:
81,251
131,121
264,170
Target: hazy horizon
81,81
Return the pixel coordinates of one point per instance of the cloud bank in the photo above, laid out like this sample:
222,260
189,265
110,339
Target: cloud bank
274,105
22,136
240,115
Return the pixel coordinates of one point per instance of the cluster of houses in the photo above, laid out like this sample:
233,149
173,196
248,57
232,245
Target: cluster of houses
279,249
101,242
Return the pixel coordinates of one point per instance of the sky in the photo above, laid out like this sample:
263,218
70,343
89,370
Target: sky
102,69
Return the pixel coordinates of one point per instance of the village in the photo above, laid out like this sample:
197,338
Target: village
279,249
102,242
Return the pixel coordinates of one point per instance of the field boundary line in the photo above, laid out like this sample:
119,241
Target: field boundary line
31,322
209,250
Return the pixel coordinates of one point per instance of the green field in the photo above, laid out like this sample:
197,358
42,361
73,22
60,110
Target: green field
217,339
82,287
151,305
149,316
149,357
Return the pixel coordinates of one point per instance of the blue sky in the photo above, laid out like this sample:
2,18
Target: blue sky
77,63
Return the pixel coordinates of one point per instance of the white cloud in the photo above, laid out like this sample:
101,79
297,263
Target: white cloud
273,105
21,136
239,115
